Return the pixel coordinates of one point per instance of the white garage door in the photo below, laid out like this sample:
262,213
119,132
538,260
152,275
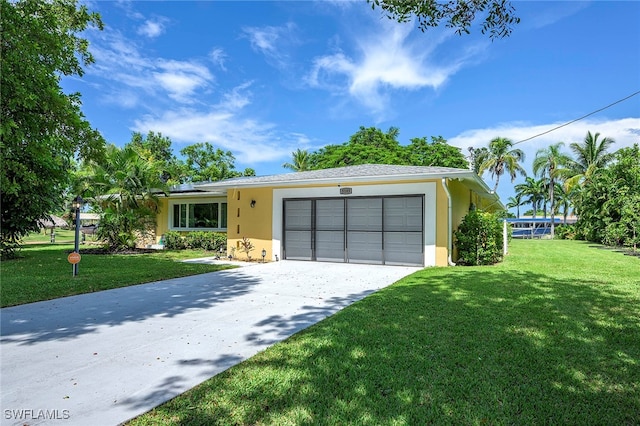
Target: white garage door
374,230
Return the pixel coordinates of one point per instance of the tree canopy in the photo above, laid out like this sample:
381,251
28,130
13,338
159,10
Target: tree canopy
498,16
373,146
299,161
502,157
609,203
204,162
41,127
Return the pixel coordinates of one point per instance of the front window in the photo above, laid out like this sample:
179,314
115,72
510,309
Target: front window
199,216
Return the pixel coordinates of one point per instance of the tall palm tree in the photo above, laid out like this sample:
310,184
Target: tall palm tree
534,191
502,158
590,156
546,164
300,161
515,202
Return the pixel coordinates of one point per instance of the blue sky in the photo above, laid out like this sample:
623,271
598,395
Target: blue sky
262,79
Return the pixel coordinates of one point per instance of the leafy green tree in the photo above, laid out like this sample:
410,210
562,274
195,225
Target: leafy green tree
502,157
499,17
609,202
437,153
547,163
373,146
156,149
477,157
41,127
125,187
590,156
367,146
300,161
204,162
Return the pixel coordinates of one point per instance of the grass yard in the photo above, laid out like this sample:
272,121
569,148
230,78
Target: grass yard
551,336
63,236
44,272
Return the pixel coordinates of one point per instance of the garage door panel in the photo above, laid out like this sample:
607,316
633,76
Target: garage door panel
298,214
364,247
403,248
298,245
364,214
330,215
330,246
403,214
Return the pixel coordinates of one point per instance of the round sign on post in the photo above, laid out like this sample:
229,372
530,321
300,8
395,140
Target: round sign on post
73,258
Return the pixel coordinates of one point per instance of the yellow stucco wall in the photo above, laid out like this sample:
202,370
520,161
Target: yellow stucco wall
441,225
162,219
251,222
256,223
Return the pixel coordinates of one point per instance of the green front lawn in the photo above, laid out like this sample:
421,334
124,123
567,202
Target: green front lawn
44,272
551,336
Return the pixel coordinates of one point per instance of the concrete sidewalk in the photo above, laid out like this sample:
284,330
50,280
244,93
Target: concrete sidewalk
104,358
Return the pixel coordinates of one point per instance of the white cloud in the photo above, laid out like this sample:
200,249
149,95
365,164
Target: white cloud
152,28
122,67
272,42
218,57
224,125
181,78
386,60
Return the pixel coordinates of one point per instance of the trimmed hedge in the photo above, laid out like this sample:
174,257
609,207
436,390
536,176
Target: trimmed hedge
206,240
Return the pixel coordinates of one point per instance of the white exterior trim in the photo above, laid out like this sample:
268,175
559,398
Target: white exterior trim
195,200
428,189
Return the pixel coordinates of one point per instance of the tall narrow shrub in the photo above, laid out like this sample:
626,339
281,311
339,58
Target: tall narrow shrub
479,239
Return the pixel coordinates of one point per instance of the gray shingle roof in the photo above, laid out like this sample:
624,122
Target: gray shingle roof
360,171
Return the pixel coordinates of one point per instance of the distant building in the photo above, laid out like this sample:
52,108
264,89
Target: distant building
528,227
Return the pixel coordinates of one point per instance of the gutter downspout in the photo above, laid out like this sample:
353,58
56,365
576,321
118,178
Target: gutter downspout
449,223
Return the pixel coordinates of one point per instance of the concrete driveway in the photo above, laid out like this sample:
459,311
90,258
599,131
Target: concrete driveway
104,358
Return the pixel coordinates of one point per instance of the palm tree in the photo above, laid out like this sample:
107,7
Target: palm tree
515,202
546,164
503,157
126,189
534,191
564,200
590,156
300,160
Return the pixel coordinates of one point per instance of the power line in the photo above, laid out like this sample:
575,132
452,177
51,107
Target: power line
580,118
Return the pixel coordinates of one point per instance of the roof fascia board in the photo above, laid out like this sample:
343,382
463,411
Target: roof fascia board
387,178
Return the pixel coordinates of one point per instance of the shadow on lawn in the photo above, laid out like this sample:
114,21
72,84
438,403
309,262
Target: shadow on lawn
70,317
451,346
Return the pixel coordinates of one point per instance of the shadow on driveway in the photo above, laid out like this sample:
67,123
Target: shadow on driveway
71,317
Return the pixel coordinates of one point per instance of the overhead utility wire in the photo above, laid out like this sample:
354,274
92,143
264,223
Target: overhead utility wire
578,119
